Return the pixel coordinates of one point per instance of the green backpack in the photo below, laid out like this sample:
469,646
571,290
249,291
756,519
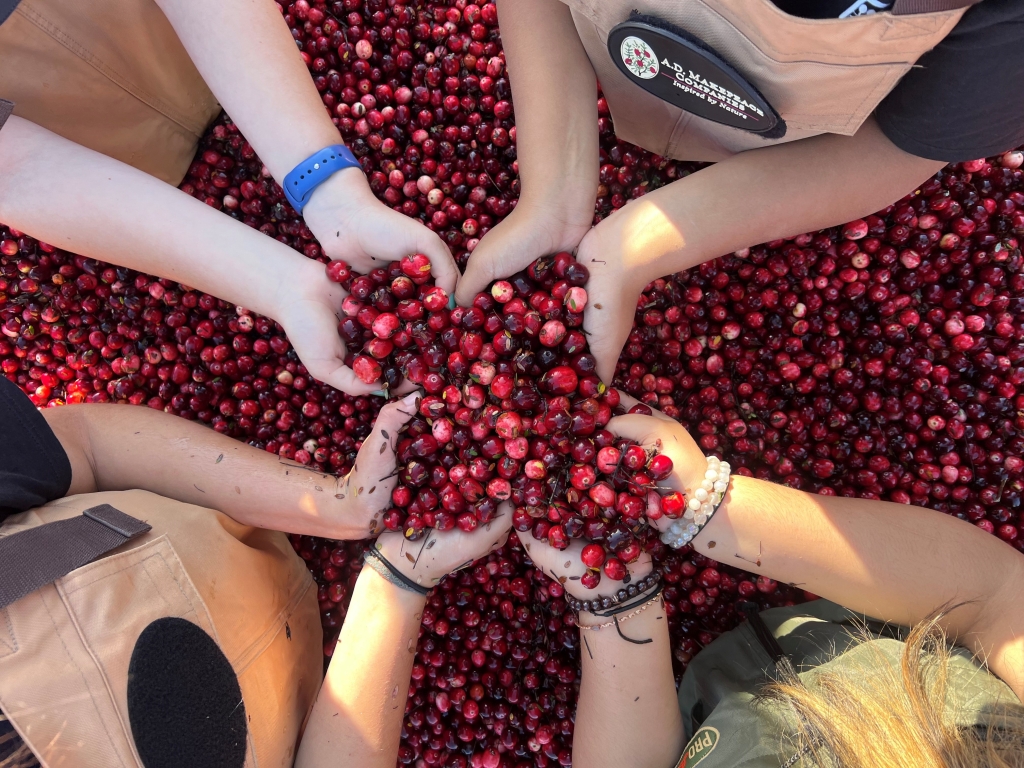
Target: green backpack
720,685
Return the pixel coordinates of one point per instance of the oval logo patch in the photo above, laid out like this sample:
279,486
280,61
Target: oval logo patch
701,745
687,73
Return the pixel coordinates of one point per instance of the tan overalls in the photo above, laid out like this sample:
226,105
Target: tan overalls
110,75
65,648
821,75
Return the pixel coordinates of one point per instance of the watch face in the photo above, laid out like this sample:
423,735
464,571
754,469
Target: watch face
639,58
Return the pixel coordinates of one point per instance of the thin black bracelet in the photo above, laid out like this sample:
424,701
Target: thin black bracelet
624,594
374,559
624,607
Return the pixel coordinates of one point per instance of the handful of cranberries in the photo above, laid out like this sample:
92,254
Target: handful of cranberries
512,410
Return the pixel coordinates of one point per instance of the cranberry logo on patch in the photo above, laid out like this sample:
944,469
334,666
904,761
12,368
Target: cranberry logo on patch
639,58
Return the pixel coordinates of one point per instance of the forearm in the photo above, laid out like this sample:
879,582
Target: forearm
555,93
257,75
628,712
357,718
121,448
893,562
766,194
87,203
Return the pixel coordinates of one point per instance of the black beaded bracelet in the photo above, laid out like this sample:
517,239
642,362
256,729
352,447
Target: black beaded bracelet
624,594
642,598
380,564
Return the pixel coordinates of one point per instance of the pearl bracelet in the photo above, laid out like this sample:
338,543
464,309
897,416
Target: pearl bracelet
701,506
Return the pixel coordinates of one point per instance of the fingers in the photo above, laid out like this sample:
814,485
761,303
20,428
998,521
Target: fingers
500,525
343,378
480,272
629,401
607,329
383,437
442,265
503,251
328,365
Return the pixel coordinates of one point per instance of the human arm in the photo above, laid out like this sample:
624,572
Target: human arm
87,203
752,197
627,712
892,562
357,718
114,447
556,143
260,79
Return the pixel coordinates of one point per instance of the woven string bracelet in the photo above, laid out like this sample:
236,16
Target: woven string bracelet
624,607
618,620
379,563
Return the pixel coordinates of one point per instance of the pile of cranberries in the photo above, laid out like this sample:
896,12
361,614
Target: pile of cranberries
511,409
881,359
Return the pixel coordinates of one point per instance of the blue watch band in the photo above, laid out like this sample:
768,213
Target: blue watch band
315,170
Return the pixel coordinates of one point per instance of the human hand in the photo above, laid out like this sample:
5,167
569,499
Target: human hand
612,293
667,436
566,567
526,234
351,224
308,306
439,553
364,494
658,432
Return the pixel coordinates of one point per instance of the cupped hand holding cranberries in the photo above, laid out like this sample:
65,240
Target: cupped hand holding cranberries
352,225
309,306
664,438
439,553
528,233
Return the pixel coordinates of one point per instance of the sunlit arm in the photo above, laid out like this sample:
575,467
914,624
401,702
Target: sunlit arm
116,447
770,193
753,197
893,562
357,718
258,76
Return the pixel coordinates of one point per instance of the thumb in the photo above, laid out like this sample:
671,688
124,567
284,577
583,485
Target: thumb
392,417
628,401
442,265
503,251
645,430
607,325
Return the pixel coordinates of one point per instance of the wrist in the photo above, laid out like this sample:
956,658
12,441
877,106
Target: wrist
343,188
641,569
654,243
381,590
647,590
408,558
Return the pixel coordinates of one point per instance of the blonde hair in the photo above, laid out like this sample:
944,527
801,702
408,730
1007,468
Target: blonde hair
21,757
840,714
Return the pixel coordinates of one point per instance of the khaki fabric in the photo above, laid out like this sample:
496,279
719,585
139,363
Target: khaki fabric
821,75
110,75
65,648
